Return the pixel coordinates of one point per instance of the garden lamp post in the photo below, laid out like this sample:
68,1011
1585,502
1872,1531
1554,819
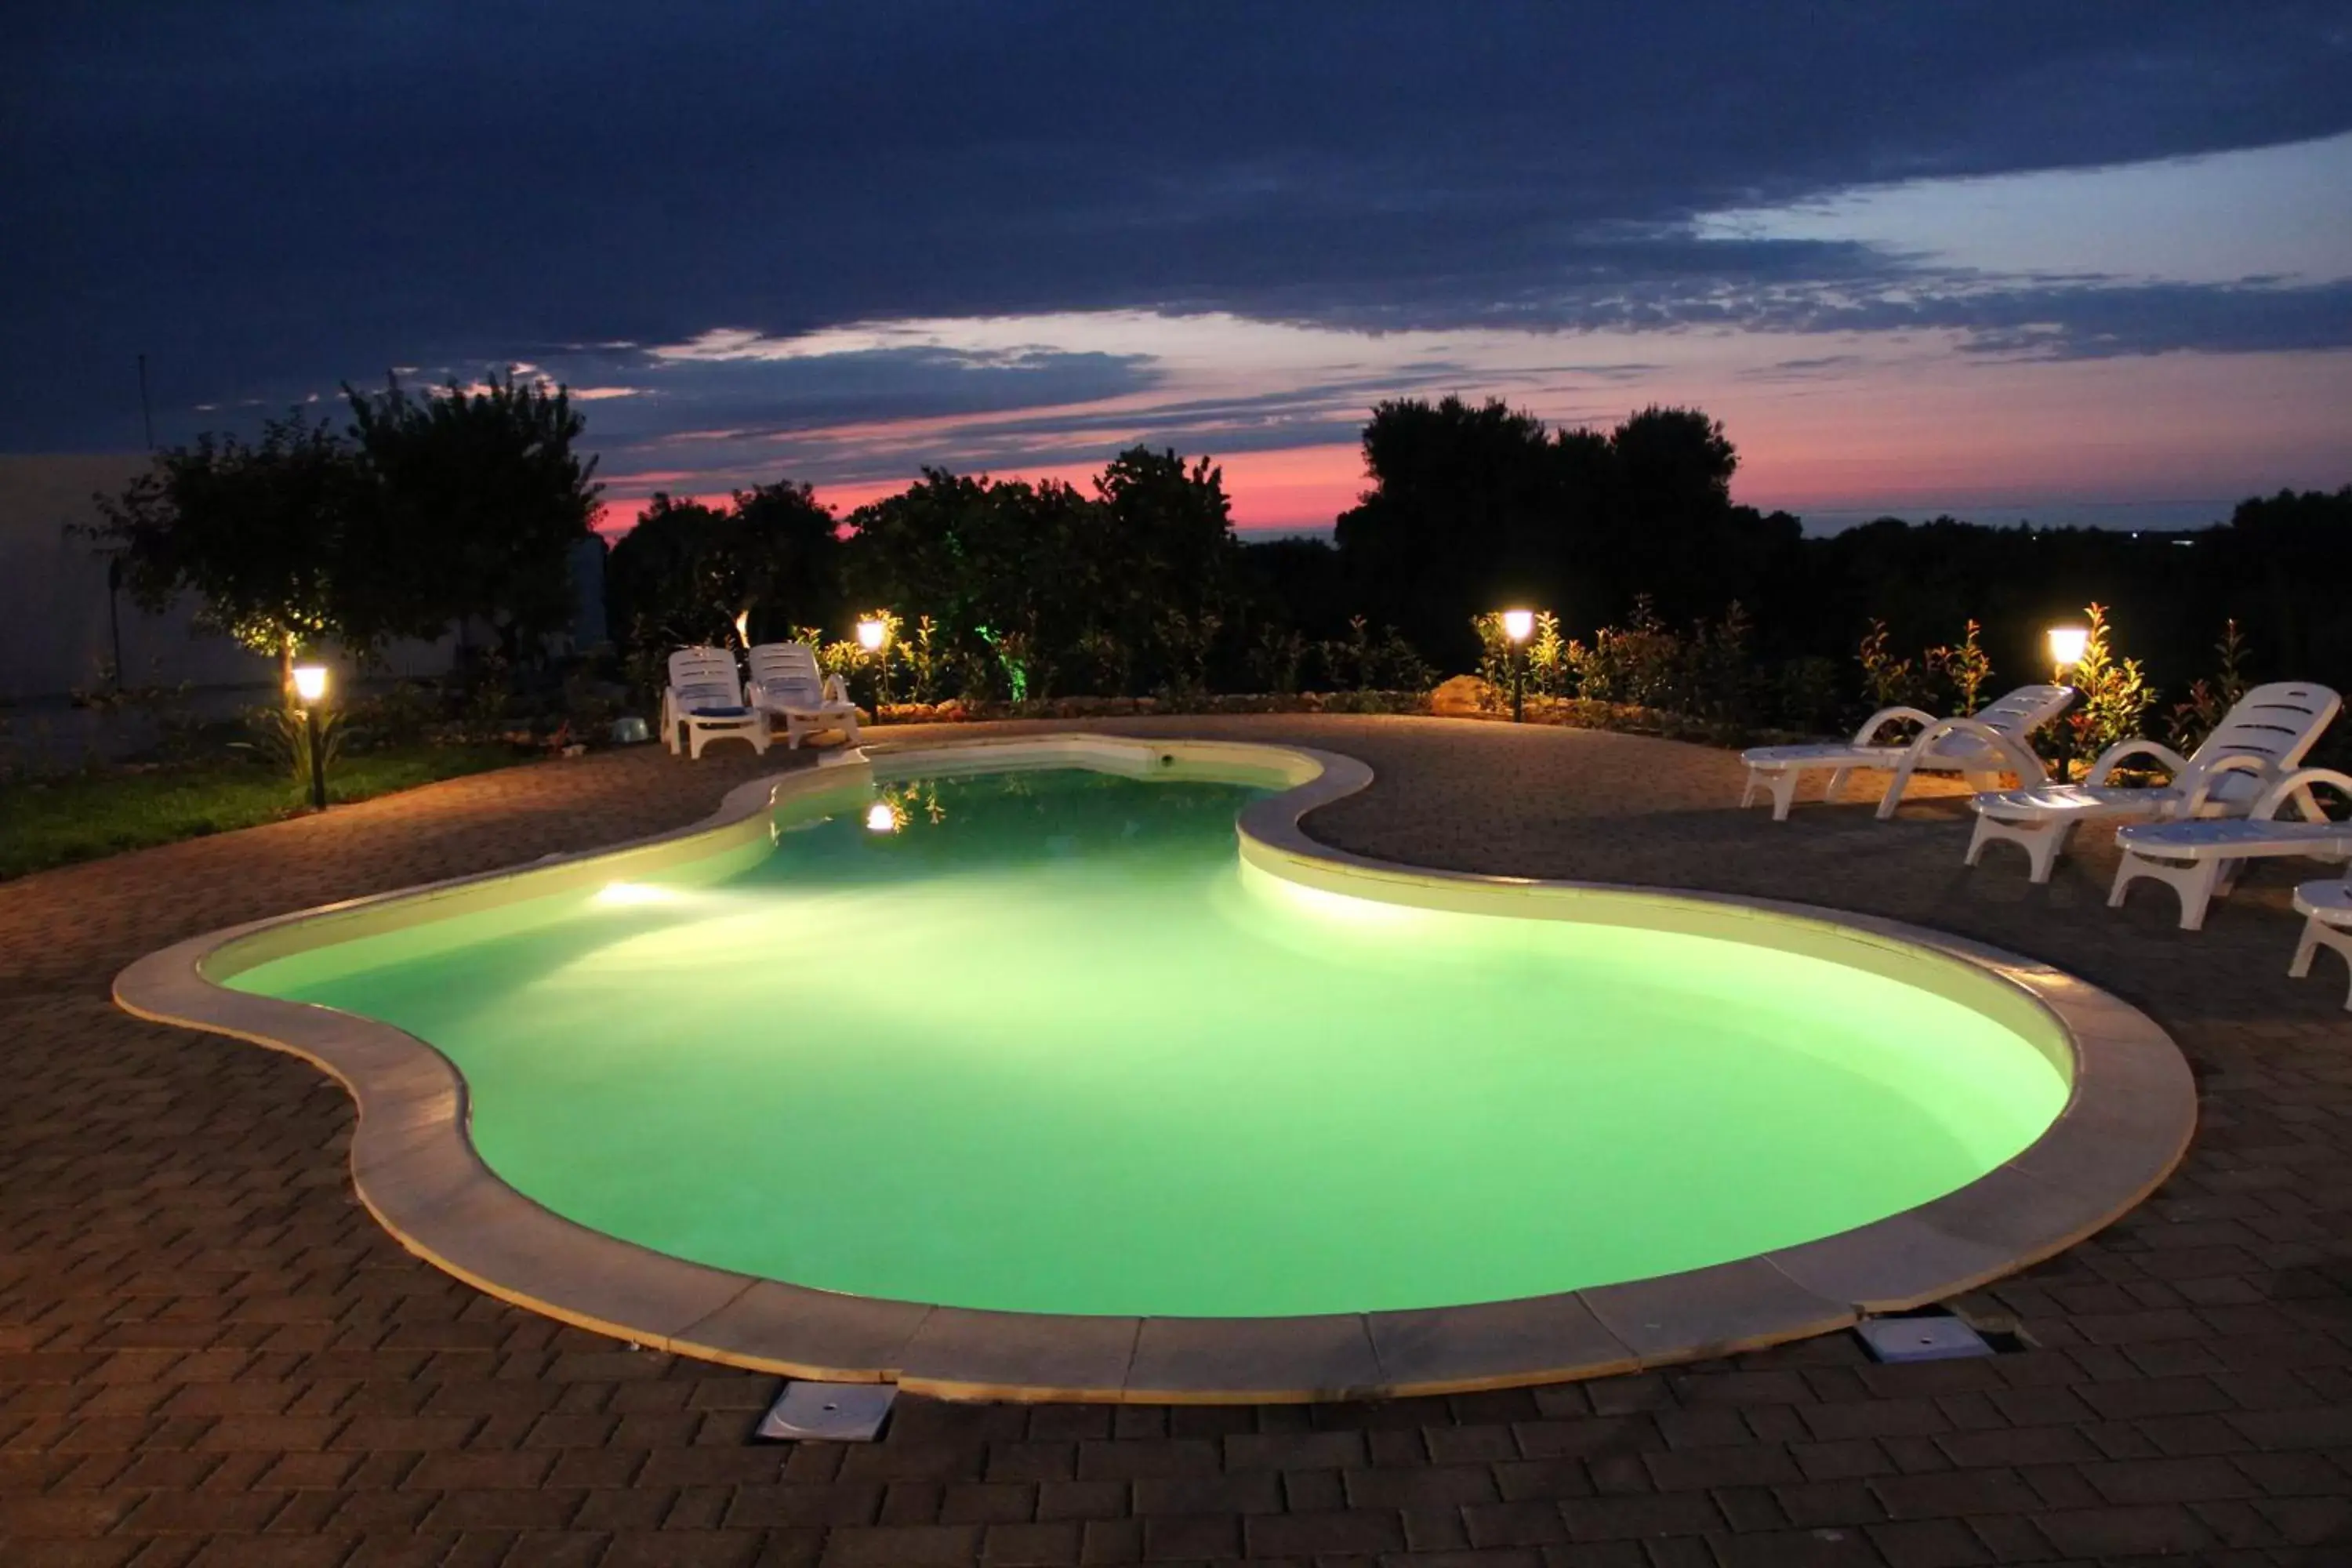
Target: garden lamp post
2066,646
873,632
1518,626
310,690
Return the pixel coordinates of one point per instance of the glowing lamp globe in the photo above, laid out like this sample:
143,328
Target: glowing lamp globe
881,818
2066,646
309,682
870,634
1519,624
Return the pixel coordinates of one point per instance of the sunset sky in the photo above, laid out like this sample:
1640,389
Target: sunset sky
2086,263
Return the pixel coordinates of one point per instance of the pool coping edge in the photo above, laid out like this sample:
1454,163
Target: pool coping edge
2127,1122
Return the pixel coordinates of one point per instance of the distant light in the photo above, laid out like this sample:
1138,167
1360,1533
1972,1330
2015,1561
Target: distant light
1519,624
871,633
2066,646
309,682
2184,541
634,893
881,818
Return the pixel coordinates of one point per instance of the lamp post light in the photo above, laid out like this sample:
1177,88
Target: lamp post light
1518,626
873,632
310,690
2067,646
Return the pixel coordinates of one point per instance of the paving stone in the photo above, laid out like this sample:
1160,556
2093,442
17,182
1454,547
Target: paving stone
195,1314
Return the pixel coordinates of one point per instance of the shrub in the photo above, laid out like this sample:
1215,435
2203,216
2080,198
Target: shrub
281,739
2114,693
1888,681
1275,660
1809,693
2196,716
1964,669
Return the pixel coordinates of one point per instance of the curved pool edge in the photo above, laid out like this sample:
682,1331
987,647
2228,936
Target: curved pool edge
2125,1124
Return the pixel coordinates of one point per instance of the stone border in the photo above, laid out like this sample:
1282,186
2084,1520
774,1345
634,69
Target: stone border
2125,1124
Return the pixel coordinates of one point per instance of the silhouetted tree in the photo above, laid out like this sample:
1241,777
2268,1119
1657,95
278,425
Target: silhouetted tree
2299,549
749,572
260,531
1471,508
478,499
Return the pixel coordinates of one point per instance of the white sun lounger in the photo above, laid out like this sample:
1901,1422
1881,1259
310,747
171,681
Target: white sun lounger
2326,909
705,698
2264,735
787,683
1980,747
2200,858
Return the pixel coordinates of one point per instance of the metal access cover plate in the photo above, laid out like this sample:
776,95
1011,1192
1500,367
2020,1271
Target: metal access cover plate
1920,1339
829,1412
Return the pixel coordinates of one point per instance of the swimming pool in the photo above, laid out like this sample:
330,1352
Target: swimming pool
1019,1032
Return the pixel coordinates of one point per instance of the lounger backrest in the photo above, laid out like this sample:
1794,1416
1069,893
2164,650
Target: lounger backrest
2278,724
707,674
787,671
2025,710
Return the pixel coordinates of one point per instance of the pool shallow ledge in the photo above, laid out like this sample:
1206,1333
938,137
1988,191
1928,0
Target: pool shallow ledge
2127,1121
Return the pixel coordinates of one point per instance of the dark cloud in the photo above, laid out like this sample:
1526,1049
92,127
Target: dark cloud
269,196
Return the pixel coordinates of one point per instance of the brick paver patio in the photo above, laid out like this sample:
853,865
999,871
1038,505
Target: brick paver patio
209,1354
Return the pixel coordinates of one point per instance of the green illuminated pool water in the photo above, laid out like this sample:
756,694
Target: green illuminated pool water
1037,1041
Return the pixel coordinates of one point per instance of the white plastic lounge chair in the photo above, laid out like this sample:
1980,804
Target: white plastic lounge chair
786,682
705,698
2326,909
1980,747
2202,858
2262,736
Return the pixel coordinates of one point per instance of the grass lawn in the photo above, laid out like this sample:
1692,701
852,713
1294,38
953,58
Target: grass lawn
52,822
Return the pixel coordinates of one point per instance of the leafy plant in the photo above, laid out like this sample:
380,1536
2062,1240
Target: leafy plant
1105,663
1275,660
1642,663
1548,673
1808,693
2114,693
1723,675
1017,656
1888,681
1496,657
2209,699
281,739
1965,668
1397,666
921,657
399,715
1186,641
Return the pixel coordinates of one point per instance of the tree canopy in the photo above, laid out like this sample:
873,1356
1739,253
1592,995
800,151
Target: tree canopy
477,500
692,573
1052,588
260,531
430,509
1474,506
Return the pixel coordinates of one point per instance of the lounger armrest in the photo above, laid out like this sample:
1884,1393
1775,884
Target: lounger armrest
2174,763
834,690
2199,781
2019,757
2297,785
1868,734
